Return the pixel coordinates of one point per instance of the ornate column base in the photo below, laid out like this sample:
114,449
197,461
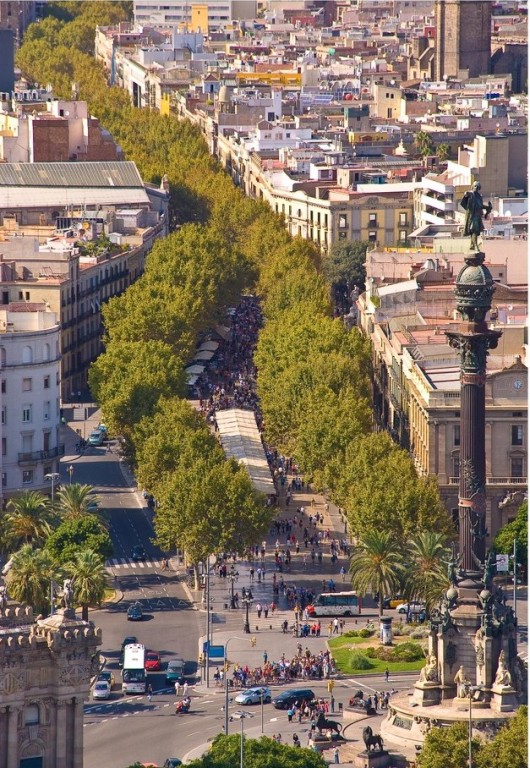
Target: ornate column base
503,698
427,694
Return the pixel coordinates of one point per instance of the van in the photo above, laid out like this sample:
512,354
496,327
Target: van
288,698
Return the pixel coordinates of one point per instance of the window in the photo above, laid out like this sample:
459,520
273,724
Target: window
456,434
26,385
343,235
46,410
4,446
31,714
27,443
46,352
4,386
27,355
27,476
343,221
4,414
372,218
46,382
372,236
402,219
402,235
4,479
26,413
517,463
456,466
517,436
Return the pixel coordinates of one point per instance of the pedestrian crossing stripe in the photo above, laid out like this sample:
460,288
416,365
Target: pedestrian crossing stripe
125,562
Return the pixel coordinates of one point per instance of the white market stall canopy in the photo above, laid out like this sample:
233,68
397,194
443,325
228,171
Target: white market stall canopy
240,438
192,379
209,346
197,369
205,355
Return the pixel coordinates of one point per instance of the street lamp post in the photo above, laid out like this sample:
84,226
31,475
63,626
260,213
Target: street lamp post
246,627
470,691
242,716
71,472
225,661
232,577
53,476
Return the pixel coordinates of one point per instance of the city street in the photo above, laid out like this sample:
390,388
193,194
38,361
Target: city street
173,625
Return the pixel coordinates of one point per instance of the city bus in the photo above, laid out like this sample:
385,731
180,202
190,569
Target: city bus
335,604
133,672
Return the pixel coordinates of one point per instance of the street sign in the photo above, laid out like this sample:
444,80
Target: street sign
215,651
503,563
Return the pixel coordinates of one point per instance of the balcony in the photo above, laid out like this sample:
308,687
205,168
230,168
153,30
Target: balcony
496,481
33,456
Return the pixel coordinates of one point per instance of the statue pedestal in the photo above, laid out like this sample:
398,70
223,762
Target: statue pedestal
373,759
503,698
427,694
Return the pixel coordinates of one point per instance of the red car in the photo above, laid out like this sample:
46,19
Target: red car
152,661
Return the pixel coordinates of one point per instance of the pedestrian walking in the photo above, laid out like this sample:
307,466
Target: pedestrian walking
332,704
290,714
387,675
185,689
265,657
258,610
149,692
177,688
336,756
343,573
266,611
330,628
376,700
336,626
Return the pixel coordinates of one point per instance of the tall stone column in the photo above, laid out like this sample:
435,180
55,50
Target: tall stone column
473,339
60,735
12,738
77,705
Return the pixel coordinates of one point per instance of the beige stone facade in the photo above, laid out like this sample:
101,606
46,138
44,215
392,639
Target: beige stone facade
45,672
463,45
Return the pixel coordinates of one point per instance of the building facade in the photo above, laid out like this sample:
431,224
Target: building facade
30,379
463,43
45,672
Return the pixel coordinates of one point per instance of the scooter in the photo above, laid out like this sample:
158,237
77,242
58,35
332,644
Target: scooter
181,707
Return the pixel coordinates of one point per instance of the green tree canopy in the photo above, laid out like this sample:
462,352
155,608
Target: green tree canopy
78,534
509,748
29,519
426,574
28,580
87,570
373,501
129,378
210,507
258,753
346,263
518,530
376,564
424,143
75,501
447,748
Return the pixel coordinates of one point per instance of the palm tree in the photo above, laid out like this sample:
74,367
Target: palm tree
376,565
76,501
426,576
424,143
28,519
89,579
30,576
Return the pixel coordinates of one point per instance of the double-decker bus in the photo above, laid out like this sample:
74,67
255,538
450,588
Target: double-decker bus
335,604
133,673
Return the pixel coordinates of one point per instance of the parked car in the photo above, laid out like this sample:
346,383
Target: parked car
175,671
411,608
106,676
254,696
172,762
135,612
101,690
392,602
152,661
103,429
95,438
138,553
287,698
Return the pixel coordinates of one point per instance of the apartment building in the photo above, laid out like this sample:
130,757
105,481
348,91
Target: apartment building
408,305
209,15
30,382
74,235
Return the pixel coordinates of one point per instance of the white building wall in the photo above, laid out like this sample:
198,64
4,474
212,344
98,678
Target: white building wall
29,370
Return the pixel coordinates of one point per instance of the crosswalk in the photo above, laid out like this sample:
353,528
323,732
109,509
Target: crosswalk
127,562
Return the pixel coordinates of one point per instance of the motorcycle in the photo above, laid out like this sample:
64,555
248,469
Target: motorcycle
182,707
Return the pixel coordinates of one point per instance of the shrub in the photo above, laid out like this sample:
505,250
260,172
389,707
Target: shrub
408,652
365,632
419,633
359,661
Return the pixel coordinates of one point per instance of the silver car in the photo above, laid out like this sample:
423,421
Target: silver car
254,696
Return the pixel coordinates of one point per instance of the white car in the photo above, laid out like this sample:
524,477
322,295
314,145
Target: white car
101,690
412,607
254,695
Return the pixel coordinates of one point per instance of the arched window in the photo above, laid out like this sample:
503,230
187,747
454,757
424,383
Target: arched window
27,355
2,357
32,714
46,352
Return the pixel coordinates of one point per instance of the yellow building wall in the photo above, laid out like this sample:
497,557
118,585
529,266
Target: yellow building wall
199,18
165,104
